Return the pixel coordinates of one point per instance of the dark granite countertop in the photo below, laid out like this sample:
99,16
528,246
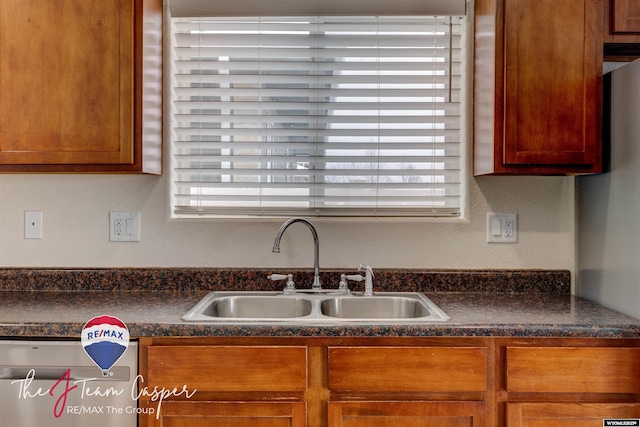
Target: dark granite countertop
50,303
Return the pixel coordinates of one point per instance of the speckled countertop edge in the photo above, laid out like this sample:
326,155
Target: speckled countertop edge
56,303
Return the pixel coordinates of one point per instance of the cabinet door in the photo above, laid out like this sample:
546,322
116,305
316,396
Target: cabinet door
568,414
551,82
229,414
626,16
66,82
537,87
406,414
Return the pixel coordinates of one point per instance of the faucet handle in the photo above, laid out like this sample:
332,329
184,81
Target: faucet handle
343,281
343,285
290,287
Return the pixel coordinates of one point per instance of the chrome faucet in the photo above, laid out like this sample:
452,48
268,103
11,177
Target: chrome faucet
316,286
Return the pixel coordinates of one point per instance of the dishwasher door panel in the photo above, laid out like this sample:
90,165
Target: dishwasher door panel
55,383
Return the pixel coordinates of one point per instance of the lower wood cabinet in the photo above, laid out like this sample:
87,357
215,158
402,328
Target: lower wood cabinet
388,381
232,414
407,369
407,414
229,368
573,370
570,385
568,414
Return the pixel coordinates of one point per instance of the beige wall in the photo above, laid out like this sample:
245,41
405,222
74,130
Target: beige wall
76,233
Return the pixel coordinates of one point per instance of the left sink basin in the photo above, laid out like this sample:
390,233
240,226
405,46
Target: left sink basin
255,306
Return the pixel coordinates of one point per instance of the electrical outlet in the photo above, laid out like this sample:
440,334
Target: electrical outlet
508,227
124,226
502,227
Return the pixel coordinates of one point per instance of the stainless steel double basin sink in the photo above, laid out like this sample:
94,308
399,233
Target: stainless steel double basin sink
253,307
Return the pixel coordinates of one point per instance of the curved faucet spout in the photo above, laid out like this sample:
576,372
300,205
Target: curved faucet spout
316,248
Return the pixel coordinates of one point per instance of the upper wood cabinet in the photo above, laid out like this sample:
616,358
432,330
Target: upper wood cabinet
537,87
76,79
626,16
622,23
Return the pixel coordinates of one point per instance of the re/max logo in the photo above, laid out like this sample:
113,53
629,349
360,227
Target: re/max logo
621,422
104,333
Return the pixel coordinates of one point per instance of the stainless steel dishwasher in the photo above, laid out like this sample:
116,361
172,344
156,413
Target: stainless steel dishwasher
54,383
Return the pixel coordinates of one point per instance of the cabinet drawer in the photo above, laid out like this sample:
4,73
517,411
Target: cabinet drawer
573,369
229,368
408,368
225,414
406,414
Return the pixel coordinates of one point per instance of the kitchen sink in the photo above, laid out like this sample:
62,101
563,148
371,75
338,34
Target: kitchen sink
257,306
326,308
374,307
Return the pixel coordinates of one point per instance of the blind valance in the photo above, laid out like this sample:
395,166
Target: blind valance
219,8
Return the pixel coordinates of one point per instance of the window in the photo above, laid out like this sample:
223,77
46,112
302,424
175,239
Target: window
318,114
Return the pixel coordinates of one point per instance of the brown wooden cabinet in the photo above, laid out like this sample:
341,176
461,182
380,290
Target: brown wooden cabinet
231,414
235,385
537,87
568,414
626,16
80,85
391,381
391,369
622,22
572,369
380,386
581,383
407,414
316,382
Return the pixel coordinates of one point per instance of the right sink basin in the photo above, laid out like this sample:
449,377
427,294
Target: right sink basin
374,307
398,306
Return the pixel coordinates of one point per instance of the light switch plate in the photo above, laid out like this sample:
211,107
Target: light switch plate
502,227
124,226
33,224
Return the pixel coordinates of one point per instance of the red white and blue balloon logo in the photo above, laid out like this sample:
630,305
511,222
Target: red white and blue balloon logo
105,339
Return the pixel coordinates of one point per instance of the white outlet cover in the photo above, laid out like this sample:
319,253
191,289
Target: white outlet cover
496,227
124,226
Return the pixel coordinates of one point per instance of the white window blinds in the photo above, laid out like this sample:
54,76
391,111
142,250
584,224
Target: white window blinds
317,115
